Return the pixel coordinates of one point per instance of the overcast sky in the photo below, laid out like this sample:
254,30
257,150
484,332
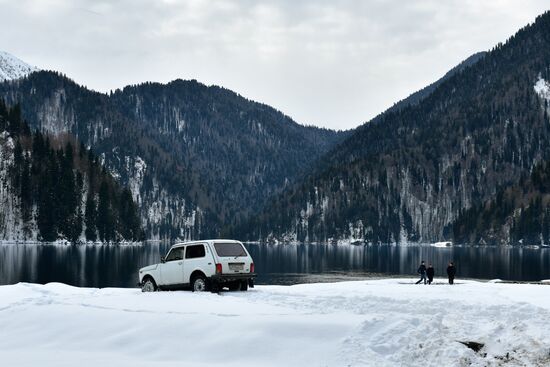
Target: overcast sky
331,63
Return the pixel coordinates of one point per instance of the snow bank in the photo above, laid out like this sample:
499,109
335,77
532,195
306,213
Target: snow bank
365,323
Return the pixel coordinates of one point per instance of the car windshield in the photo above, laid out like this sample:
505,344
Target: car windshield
175,254
229,249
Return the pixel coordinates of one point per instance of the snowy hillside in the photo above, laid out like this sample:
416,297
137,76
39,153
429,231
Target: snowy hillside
13,68
365,323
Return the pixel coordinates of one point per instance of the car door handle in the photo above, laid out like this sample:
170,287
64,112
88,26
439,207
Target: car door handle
209,263
181,262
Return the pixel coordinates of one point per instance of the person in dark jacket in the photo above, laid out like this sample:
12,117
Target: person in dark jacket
451,271
422,271
430,273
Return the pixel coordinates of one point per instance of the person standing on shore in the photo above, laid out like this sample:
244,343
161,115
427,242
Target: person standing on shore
422,272
451,271
430,272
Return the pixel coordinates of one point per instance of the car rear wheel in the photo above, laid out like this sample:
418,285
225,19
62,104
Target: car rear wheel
148,285
199,284
239,285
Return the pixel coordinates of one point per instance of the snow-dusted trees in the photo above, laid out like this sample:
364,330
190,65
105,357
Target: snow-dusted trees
62,191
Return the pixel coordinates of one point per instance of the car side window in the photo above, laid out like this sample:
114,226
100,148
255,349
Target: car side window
195,251
175,254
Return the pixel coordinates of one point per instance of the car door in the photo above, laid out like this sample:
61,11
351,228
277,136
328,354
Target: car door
171,270
197,257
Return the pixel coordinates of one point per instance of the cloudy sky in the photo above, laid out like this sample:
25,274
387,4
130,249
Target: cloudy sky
334,63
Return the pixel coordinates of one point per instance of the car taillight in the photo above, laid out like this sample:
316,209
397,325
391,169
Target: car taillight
218,268
251,267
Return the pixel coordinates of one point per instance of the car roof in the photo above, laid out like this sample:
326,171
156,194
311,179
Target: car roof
180,244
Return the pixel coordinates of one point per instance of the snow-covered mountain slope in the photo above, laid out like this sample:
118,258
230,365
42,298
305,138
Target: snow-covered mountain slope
13,68
364,323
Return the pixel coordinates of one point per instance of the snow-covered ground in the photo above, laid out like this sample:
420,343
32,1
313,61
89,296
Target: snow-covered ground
363,323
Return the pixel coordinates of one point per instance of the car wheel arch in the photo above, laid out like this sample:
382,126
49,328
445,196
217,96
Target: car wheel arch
149,276
196,273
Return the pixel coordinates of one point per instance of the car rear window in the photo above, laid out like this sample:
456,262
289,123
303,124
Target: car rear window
229,249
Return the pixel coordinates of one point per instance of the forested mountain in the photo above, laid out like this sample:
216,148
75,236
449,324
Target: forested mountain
409,175
196,158
54,188
519,214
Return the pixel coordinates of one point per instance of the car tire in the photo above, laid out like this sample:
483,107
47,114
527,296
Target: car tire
244,285
215,287
148,285
199,284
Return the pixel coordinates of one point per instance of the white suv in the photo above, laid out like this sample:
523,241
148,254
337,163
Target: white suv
201,265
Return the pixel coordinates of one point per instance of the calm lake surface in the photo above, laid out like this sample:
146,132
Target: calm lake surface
116,266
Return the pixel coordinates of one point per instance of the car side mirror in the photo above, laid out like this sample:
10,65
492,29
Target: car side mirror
162,259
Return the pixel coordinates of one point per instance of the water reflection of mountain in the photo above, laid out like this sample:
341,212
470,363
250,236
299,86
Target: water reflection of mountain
116,266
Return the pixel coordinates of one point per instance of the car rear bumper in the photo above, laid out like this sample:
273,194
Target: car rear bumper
225,278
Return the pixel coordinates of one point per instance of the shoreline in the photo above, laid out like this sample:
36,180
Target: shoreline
258,243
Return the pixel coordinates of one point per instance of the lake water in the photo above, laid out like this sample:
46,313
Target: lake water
116,266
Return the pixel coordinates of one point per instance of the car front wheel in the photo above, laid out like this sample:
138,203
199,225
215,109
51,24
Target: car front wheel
148,285
199,284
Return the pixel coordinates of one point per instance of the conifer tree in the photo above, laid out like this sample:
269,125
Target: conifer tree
90,218
47,218
129,221
26,192
105,223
